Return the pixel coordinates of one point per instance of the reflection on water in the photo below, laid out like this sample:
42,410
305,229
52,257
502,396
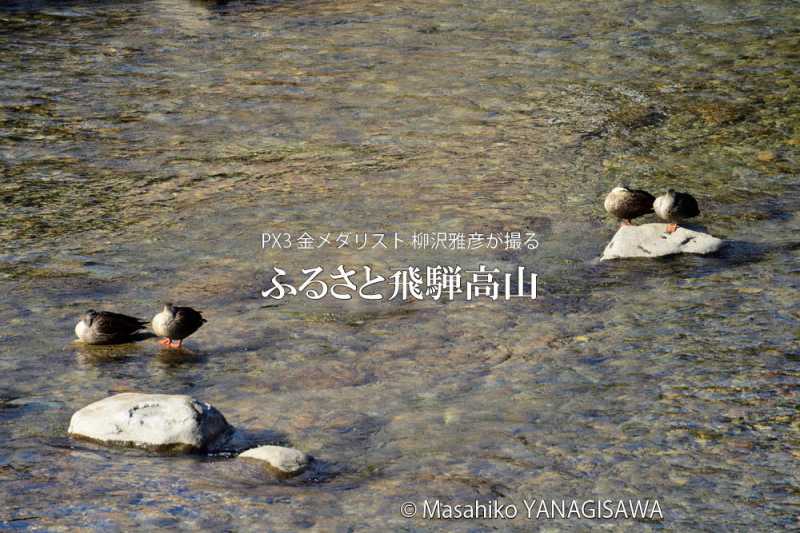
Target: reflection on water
147,145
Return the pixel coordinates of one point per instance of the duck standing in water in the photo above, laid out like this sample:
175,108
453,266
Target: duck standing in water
105,327
176,323
627,204
674,207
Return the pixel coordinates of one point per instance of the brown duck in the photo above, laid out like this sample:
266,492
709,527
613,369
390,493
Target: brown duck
176,323
105,327
627,204
675,207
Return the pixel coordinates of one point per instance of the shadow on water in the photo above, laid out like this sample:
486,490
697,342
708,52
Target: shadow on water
106,354
114,353
573,293
174,357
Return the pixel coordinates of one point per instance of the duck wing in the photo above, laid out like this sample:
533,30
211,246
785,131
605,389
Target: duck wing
636,203
685,205
113,326
120,321
187,321
643,197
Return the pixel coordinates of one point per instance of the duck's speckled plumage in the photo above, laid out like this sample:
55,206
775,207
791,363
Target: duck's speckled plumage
627,204
105,327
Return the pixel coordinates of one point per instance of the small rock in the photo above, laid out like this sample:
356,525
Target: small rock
652,240
286,460
161,422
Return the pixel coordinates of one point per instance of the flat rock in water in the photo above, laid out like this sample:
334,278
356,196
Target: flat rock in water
652,240
162,422
287,460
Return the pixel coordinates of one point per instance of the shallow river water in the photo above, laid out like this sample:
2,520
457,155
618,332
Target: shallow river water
146,146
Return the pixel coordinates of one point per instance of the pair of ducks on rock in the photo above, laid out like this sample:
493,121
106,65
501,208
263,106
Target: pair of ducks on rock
173,323
673,207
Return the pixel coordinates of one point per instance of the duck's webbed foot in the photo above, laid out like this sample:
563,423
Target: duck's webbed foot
174,344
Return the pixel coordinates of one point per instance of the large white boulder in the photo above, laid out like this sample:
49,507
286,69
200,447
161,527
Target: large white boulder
286,460
163,422
652,240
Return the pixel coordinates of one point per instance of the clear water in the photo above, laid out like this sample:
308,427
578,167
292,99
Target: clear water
147,145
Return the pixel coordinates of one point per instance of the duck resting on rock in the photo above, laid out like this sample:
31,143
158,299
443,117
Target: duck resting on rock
627,204
176,323
105,327
675,207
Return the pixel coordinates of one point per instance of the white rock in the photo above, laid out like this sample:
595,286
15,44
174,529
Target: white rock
154,421
287,460
652,240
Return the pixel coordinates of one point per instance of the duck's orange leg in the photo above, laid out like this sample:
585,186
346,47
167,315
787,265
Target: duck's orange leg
672,228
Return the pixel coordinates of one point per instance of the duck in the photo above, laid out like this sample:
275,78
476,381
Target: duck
627,204
675,207
176,323
105,327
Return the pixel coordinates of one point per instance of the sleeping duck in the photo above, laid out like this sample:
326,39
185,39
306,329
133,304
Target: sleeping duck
176,323
105,327
675,207
627,204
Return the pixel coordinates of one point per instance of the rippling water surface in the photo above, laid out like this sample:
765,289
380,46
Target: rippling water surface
147,145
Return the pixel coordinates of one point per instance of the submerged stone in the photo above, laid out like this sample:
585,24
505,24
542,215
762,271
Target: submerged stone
162,422
652,240
286,460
